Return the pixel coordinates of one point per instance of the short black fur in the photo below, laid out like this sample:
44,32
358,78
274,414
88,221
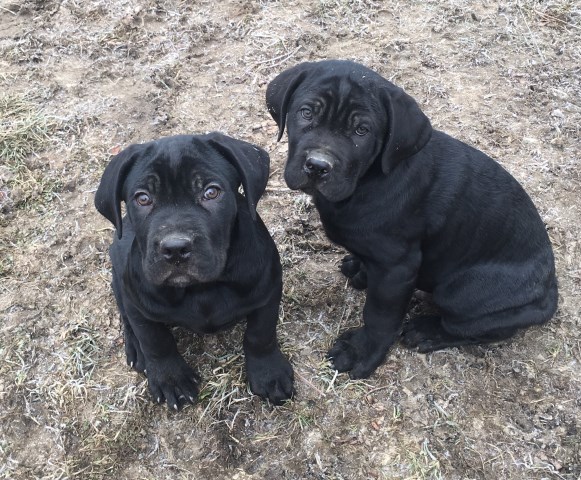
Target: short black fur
415,208
193,252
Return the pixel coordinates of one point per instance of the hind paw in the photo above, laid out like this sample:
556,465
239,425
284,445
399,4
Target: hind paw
355,271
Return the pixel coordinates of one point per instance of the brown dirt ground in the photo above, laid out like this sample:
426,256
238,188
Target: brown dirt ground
90,77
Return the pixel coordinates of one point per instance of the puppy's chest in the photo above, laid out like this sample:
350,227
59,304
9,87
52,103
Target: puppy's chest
353,228
208,312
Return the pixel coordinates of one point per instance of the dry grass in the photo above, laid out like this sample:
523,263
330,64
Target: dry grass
80,79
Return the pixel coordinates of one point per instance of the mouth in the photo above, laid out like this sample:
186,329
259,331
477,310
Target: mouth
309,189
327,188
309,185
179,281
299,179
185,274
159,274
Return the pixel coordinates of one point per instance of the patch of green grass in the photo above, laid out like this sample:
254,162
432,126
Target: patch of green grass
25,130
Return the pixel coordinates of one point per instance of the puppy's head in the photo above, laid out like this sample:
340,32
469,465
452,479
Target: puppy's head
341,118
181,198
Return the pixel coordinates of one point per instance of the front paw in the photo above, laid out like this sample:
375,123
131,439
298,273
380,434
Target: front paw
355,271
173,380
358,352
270,376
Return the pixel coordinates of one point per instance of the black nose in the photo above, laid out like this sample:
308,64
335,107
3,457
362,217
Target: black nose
175,249
316,167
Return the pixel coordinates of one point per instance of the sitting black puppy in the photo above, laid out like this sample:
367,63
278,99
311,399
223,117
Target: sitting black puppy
193,252
416,209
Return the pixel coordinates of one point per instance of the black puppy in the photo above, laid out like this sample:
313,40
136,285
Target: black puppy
417,209
193,252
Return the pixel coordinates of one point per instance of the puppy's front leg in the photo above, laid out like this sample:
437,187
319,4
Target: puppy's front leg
360,351
270,374
169,377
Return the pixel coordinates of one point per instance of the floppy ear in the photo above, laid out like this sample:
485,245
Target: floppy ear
280,91
251,162
408,128
110,192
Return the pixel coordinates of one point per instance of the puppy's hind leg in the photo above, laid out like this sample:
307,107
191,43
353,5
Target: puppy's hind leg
427,334
355,271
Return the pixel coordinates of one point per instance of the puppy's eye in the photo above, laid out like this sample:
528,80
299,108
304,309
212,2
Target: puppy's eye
212,192
307,113
143,199
361,130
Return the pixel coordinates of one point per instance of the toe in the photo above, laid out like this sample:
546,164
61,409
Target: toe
171,398
359,281
350,265
156,393
360,370
280,393
188,392
341,357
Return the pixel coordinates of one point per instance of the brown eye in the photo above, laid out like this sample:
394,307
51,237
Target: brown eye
307,113
211,193
361,130
143,199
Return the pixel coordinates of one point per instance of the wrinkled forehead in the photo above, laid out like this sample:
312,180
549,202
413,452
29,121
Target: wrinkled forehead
341,92
342,101
179,169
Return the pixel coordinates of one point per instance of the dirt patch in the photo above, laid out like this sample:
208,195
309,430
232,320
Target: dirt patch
82,79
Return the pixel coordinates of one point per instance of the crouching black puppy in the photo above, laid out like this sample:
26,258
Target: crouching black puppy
193,252
416,209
